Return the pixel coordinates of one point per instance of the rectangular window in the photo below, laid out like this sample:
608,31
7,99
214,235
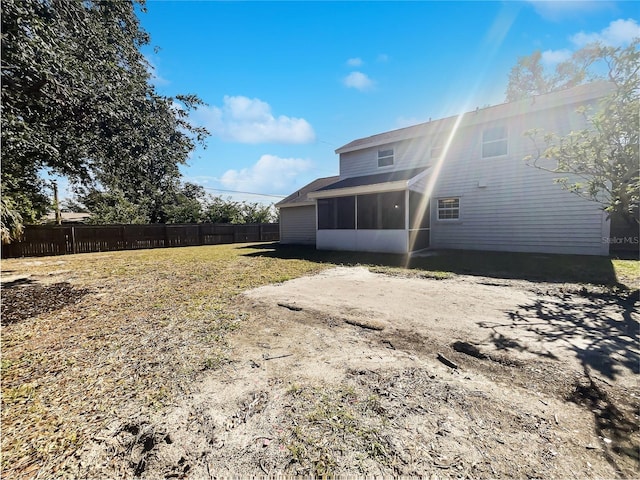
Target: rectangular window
448,209
381,211
385,158
494,142
337,213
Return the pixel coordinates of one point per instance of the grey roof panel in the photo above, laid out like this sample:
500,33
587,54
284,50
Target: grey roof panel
300,196
374,179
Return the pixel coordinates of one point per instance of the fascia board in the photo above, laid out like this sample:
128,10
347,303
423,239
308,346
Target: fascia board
298,204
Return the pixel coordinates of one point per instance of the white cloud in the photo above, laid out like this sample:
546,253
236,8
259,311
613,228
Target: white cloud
250,120
553,57
359,81
355,62
270,174
555,10
156,79
619,32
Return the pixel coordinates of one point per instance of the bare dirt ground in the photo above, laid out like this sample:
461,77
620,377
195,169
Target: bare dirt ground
338,374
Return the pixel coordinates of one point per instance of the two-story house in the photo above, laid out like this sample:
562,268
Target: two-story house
456,183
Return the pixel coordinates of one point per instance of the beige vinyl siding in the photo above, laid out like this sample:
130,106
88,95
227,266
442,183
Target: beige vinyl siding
298,225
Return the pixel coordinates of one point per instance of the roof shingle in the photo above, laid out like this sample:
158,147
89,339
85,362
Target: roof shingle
299,197
374,179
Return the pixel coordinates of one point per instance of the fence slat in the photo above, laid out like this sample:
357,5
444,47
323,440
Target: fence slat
42,240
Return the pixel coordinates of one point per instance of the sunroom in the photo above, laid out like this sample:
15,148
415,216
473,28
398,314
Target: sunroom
385,212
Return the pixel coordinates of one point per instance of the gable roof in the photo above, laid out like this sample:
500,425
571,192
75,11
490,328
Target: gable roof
575,95
300,198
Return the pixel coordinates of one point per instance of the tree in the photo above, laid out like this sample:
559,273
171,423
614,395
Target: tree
257,213
528,77
186,203
71,205
600,162
10,221
186,206
218,210
77,101
113,207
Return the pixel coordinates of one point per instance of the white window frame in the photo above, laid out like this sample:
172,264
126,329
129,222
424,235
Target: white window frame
504,139
448,209
391,156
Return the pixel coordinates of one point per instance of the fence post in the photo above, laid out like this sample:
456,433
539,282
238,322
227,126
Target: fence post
260,233
73,239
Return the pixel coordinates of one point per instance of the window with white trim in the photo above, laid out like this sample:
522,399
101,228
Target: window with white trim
448,208
385,158
494,142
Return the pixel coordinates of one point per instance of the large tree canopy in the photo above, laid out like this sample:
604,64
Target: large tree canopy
77,101
600,162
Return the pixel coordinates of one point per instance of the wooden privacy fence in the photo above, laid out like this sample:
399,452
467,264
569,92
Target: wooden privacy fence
41,240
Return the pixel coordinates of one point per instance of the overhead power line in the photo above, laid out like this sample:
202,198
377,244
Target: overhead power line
245,193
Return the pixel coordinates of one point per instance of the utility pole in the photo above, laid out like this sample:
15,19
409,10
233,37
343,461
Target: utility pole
56,204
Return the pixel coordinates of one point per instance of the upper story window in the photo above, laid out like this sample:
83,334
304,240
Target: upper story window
494,142
385,158
449,209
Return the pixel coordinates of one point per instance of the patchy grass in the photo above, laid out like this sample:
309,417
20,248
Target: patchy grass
627,272
525,266
92,337
329,419
410,273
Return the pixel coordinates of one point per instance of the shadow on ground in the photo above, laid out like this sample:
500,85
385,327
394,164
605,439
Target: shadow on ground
506,265
25,298
609,421
598,327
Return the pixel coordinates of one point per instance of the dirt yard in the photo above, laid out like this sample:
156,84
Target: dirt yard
172,364
338,373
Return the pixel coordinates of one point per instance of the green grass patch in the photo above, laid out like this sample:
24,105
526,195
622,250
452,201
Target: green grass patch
627,272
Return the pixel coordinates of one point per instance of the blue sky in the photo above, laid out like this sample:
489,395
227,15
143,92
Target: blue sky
288,83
